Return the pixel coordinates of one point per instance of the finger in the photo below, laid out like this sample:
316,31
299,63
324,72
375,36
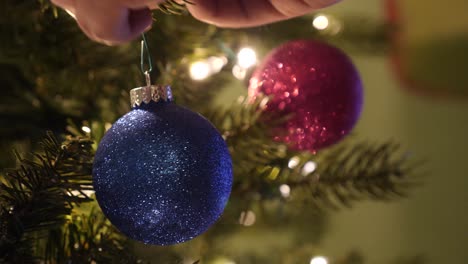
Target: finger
70,6
246,13
111,23
139,3
300,7
235,13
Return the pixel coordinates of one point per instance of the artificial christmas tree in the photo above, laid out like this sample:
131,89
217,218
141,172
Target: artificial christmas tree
56,79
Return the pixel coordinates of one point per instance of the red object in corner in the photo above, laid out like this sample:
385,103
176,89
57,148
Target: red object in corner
432,68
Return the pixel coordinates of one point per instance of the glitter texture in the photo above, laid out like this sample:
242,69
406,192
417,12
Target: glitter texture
162,174
314,83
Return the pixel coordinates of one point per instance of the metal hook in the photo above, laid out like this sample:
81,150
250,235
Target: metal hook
148,78
145,50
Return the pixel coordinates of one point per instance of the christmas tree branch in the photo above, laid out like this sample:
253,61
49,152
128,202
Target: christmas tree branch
246,135
363,171
42,191
87,238
187,92
174,7
332,178
336,178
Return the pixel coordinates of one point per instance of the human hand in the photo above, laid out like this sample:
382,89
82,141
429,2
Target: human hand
117,21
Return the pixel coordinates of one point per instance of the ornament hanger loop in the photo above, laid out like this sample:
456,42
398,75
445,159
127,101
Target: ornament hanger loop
145,51
148,78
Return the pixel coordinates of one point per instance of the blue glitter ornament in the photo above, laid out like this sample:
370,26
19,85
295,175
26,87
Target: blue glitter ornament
162,173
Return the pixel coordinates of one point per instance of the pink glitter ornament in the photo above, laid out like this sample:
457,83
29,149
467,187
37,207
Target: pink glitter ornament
317,85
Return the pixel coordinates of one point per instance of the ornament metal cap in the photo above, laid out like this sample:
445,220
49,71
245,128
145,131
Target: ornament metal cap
151,93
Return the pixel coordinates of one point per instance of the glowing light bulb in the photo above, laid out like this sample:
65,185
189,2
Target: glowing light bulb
239,72
247,218
319,260
285,190
320,22
246,58
86,129
262,105
216,63
293,162
200,70
308,168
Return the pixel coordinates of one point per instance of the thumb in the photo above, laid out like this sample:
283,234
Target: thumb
110,23
139,3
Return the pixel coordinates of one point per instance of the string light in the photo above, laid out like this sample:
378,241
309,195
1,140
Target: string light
239,72
308,168
247,218
285,190
320,22
86,129
199,70
319,260
327,24
262,105
246,58
293,162
216,63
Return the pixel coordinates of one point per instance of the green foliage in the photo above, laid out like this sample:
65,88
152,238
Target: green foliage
40,194
246,135
343,174
358,172
87,238
53,77
173,7
36,215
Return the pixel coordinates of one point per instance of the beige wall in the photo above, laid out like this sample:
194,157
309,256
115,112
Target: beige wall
434,220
